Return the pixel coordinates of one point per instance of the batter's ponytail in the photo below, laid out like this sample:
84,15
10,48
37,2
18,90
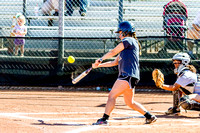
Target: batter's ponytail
134,36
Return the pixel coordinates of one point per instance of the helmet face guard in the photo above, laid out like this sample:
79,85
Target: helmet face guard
183,57
185,60
126,27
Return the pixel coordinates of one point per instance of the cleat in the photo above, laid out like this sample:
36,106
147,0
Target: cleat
173,110
151,120
101,122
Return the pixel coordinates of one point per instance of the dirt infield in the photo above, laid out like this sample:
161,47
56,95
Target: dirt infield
74,112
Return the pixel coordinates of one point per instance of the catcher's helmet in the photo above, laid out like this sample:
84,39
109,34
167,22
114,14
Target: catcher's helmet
183,57
126,27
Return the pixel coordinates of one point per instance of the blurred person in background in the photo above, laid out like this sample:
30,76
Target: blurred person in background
47,8
193,33
10,45
20,30
71,4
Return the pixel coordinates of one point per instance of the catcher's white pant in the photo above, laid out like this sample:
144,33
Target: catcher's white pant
197,88
49,5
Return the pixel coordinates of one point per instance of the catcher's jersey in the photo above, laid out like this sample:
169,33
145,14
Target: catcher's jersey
188,81
128,64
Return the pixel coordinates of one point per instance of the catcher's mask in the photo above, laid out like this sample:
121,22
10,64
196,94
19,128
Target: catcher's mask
185,60
126,27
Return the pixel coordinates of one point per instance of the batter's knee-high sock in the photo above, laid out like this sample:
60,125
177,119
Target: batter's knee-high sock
148,115
105,117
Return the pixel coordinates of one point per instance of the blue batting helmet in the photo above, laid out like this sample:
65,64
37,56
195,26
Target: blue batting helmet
126,27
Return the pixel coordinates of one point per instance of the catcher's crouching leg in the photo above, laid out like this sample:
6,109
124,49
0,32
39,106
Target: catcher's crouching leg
188,104
175,109
176,96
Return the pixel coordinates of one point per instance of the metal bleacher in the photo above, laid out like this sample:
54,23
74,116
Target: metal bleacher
101,16
76,26
86,38
148,19
101,21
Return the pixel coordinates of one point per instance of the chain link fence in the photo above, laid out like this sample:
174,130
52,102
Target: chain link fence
86,29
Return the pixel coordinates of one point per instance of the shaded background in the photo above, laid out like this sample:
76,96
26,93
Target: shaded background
88,38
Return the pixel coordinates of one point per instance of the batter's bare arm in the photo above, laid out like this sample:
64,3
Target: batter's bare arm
114,51
106,64
110,63
110,54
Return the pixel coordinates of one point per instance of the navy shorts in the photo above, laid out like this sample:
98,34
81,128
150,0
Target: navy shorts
131,80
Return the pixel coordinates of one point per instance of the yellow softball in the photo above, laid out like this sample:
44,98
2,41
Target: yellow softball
71,59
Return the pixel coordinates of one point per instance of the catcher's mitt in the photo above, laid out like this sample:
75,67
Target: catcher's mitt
158,78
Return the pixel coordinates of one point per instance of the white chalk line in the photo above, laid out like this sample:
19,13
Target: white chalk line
86,127
115,119
23,115
47,113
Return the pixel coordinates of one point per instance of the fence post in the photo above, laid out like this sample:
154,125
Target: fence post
24,7
120,11
61,35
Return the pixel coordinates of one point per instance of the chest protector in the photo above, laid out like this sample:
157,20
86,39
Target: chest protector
188,89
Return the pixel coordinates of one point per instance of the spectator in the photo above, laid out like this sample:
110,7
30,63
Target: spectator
194,33
47,7
50,5
20,30
10,44
70,4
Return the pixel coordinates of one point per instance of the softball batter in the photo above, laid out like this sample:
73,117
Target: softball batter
128,66
187,85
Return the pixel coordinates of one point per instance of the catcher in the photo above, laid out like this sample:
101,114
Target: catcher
186,89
